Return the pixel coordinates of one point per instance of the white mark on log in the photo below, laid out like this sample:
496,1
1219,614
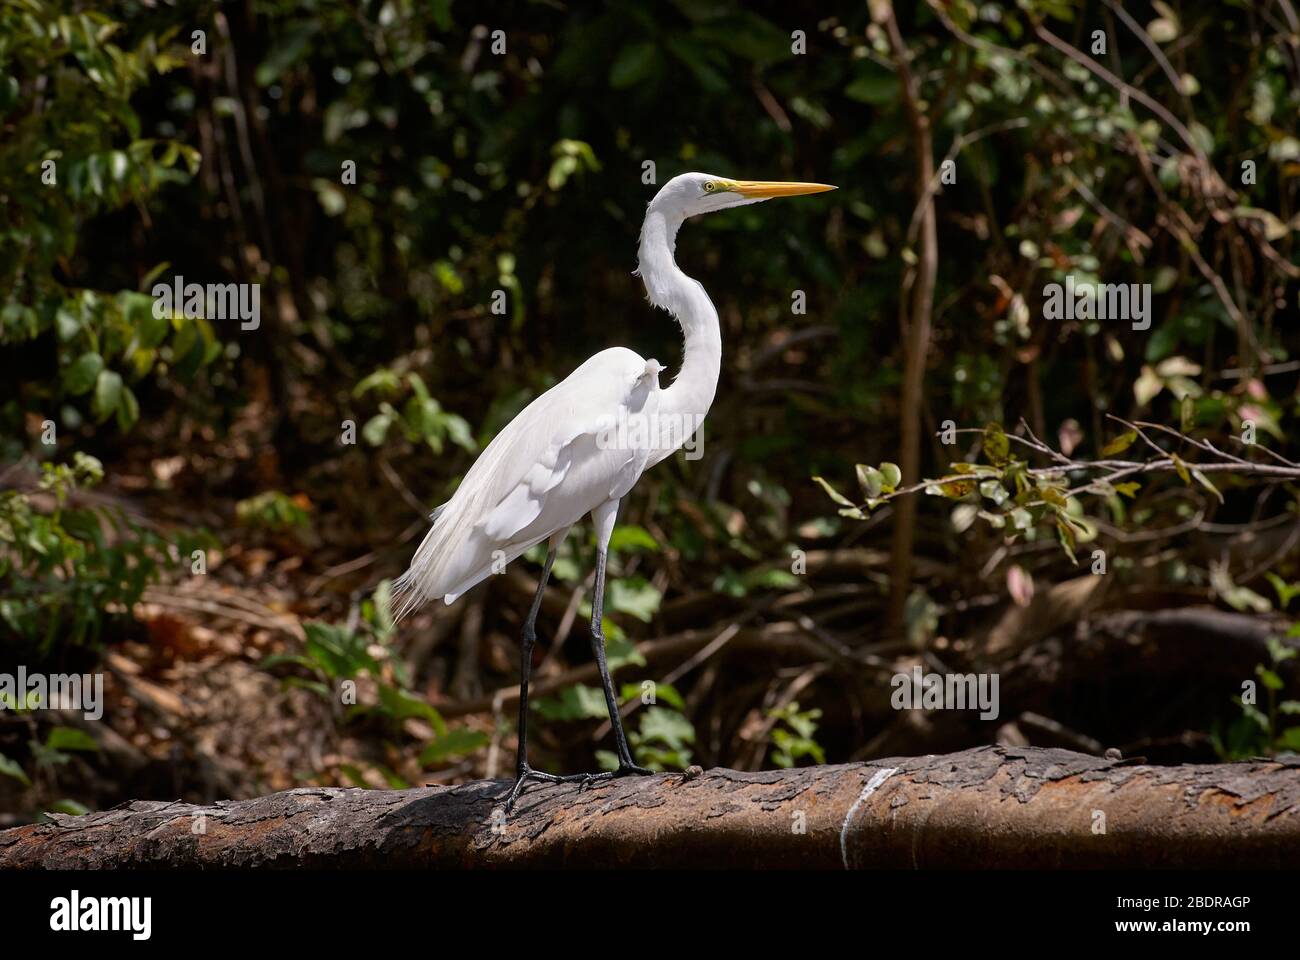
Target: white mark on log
877,778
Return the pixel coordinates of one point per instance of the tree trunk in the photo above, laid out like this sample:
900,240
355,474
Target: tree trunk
987,807
916,304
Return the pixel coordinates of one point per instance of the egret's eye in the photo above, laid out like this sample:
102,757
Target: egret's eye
709,186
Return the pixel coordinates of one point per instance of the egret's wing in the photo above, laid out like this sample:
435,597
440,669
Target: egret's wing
538,475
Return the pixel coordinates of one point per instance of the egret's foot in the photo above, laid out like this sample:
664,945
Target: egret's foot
624,770
587,779
581,779
528,773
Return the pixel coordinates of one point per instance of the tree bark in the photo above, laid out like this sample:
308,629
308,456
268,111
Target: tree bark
987,807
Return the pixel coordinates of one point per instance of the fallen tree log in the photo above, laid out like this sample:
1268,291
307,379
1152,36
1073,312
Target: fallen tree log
987,807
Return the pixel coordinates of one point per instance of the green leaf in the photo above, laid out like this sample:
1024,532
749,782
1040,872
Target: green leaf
952,489
402,705
292,48
668,727
1119,444
10,768
383,380
1181,468
993,490
1256,716
578,702
70,807
772,579
315,686
619,649
458,430
874,85
67,324
1289,739
634,596
1204,481
441,11
1245,600
70,738
266,663
662,691
82,373
1285,592
128,410
1279,651
834,494
633,64
1051,493
1269,678
418,385
354,774
376,429
996,445
394,780
1065,532
871,480
338,652
630,538
892,474
457,742
108,395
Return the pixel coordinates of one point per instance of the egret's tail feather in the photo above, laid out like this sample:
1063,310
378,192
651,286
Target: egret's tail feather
412,589
453,557
407,597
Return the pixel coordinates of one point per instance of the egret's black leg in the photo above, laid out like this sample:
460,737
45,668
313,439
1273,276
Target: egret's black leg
625,764
522,771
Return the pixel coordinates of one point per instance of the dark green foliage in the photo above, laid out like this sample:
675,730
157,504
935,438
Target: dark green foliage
66,570
74,148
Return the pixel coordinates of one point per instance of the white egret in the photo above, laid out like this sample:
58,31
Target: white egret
581,446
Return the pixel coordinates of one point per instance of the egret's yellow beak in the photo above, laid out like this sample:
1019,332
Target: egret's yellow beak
765,189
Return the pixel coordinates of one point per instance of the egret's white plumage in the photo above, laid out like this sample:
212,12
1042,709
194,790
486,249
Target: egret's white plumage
549,467
540,474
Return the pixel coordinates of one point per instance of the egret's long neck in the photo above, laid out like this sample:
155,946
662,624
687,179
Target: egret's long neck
668,287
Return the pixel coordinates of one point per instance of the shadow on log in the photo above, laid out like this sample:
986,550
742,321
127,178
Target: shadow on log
987,807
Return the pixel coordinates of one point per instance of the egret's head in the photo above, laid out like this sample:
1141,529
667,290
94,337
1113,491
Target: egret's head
694,193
